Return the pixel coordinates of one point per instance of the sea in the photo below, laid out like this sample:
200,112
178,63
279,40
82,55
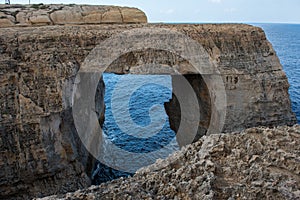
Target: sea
136,122
135,119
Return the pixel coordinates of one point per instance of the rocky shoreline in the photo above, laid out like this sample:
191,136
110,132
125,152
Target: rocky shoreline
257,163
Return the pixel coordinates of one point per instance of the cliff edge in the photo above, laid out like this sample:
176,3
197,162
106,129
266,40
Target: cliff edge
43,15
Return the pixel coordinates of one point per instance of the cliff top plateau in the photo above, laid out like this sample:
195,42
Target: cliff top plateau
41,15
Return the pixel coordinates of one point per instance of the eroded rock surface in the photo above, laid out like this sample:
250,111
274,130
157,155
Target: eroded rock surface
258,163
41,15
40,152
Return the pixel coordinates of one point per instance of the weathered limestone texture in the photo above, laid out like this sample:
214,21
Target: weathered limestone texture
41,153
40,150
39,15
258,163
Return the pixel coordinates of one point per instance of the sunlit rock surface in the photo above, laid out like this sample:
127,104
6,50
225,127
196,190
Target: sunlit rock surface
258,163
60,14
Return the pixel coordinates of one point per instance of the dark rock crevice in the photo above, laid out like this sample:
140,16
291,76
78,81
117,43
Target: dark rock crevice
174,111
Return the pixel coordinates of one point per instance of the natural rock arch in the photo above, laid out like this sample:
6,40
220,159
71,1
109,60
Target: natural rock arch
132,63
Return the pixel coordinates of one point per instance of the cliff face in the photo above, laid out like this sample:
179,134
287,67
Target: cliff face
40,150
41,153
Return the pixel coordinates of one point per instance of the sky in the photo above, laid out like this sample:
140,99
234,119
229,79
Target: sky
251,11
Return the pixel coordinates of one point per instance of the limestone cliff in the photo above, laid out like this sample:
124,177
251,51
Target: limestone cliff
40,151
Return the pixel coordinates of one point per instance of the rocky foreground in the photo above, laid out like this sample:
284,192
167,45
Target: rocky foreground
258,163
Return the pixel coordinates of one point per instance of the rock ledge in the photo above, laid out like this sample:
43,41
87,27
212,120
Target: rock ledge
41,15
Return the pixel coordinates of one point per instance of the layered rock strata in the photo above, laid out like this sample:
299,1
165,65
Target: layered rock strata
41,15
41,153
258,163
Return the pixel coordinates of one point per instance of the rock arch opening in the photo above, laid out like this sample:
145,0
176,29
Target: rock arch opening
133,65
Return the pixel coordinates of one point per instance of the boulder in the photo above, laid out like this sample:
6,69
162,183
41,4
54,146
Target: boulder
5,22
131,15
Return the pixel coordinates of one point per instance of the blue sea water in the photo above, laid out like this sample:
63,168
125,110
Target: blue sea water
136,122
285,39
143,125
